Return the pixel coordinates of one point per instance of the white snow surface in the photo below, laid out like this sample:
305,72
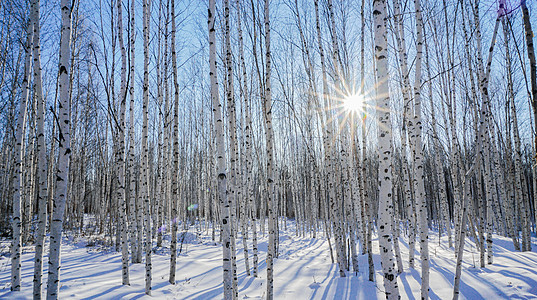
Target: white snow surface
302,271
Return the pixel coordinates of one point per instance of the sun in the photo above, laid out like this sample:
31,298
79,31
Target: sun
354,103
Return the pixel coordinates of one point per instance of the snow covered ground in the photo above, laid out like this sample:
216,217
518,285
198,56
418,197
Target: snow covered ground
303,271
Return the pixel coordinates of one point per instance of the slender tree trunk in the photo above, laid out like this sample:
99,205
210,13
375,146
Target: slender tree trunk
395,226
232,189
462,236
367,209
385,209
120,159
269,135
41,154
145,177
533,67
220,156
135,226
368,220
342,134
29,186
419,178
406,91
328,139
16,250
247,131
484,75
64,154
175,183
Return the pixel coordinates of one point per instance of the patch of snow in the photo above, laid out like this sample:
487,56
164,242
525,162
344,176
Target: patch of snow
302,271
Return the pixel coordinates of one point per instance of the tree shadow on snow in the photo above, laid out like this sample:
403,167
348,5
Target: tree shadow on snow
350,287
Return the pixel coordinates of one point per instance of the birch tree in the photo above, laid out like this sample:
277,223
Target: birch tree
419,178
220,158
385,209
269,136
247,133
41,165
64,153
533,64
120,154
16,251
369,218
145,178
134,206
232,189
175,128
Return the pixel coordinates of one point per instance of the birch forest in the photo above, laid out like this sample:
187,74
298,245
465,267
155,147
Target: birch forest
268,149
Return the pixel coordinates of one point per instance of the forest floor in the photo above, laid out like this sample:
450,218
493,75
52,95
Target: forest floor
302,271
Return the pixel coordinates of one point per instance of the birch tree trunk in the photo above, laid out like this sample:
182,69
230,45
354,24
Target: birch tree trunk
462,236
269,135
232,189
484,75
247,131
406,91
29,186
385,209
533,67
120,154
175,183
64,154
533,76
419,178
340,228
249,157
368,216
366,199
41,153
16,250
220,157
328,139
145,178
135,225
456,157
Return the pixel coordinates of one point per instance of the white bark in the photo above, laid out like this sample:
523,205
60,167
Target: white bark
64,154
395,228
174,179
135,225
145,178
485,117
385,209
41,153
247,131
368,218
406,91
462,236
533,73
367,209
342,134
269,135
419,178
221,161
120,154
328,139
232,189
16,250
520,180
